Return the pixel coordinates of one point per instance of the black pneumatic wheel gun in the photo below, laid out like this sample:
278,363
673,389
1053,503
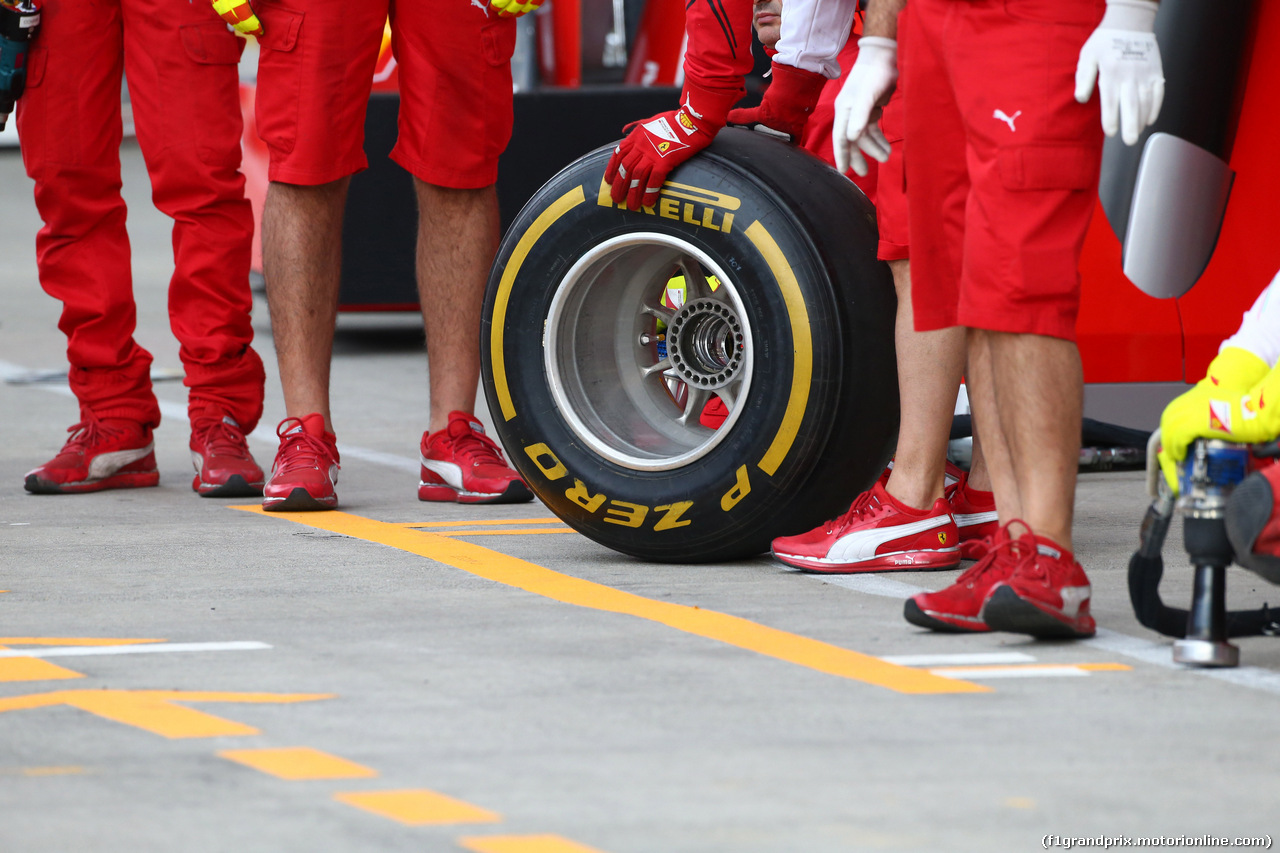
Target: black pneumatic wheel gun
19,24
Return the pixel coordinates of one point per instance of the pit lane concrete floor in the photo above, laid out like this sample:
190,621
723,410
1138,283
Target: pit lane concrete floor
185,675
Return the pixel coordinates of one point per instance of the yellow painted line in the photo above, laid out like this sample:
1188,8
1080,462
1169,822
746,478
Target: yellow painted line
802,368
521,574
154,711
418,807
497,357
529,531
70,641
524,844
71,770
33,669
298,762
1030,669
488,523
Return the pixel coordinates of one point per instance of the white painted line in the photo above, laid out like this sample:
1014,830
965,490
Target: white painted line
1160,653
263,434
871,585
959,659
133,649
970,673
1156,652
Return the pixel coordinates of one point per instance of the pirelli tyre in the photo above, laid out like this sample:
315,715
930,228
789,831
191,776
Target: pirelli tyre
688,382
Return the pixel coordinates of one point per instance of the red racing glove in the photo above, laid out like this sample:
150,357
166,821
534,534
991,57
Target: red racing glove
653,147
239,16
787,104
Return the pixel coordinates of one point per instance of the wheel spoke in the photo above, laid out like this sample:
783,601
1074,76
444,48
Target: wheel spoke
694,404
662,313
665,364
729,395
695,280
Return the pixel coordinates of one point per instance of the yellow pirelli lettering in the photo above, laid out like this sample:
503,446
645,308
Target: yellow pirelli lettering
802,342
497,356
625,514
671,515
741,488
548,463
582,496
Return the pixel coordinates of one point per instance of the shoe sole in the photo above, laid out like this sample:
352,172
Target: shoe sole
299,500
906,562
235,487
1248,512
133,480
1005,610
516,493
914,614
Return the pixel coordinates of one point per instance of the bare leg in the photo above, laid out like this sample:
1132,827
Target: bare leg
979,477
457,240
302,263
995,448
929,368
1033,401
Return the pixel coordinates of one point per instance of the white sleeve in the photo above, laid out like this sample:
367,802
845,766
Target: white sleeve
1259,331
814,33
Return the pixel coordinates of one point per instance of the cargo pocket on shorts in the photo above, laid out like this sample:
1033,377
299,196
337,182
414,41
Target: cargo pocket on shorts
498,40
1046,166
279,77
213,107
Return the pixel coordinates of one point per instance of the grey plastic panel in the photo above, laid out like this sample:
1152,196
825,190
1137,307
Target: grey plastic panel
1179,200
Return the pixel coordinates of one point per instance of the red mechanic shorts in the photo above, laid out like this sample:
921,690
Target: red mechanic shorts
891,188
315,73
1001,162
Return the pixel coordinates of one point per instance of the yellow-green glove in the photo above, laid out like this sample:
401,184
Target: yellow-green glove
514,8
239,15
1219,406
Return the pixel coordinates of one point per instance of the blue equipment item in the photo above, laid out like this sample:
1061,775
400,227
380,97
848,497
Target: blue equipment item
1207,476
19,24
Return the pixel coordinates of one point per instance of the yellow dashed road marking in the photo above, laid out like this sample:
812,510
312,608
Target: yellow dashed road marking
298,762
33,669
70,641
154,711
524,844
418,807
512,571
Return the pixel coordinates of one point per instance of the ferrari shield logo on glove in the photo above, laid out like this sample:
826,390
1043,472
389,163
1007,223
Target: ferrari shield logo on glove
1220,415
663,137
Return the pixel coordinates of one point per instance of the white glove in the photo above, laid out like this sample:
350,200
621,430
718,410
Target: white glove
1122,55
871,80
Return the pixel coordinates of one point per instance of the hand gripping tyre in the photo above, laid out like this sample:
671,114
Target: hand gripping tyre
688,382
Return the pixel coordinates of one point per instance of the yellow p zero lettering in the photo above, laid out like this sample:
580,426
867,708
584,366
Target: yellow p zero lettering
801,340
625,514
672,519
548,463
582,496
740,490
497,354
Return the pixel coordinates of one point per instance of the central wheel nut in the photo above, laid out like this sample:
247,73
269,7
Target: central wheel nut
705,344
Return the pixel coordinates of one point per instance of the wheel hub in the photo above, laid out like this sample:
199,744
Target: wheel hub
706,344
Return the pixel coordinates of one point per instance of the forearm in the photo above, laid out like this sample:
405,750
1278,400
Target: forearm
882,18
718,55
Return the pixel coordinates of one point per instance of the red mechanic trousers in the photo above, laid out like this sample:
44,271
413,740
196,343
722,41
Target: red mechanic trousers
180,61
